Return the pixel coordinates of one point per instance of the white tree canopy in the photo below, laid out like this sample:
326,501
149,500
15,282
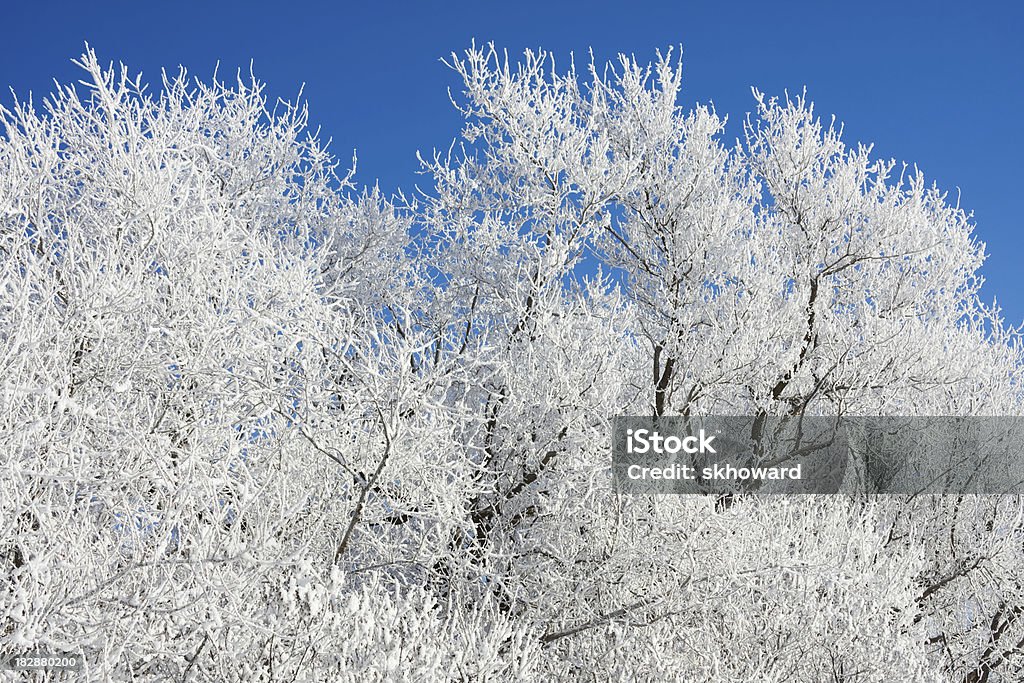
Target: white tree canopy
257,423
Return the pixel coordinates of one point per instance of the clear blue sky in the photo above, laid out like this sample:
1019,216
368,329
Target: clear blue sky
932,83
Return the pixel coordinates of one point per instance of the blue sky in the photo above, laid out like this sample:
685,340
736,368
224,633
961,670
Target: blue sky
932,83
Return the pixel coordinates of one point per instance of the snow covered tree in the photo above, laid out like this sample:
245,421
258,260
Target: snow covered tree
259,424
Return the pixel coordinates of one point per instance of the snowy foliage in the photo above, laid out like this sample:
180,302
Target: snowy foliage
257,424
